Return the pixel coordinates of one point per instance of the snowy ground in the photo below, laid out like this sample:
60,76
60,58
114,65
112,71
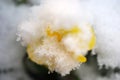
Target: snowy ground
105,15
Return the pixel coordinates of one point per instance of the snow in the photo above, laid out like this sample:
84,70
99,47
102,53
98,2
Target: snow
11,52
104,15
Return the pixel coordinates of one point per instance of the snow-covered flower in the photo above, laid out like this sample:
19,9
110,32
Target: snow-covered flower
57,35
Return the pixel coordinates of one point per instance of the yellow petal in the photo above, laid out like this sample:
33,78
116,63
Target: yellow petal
75,29
93,40
49,32
81,58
